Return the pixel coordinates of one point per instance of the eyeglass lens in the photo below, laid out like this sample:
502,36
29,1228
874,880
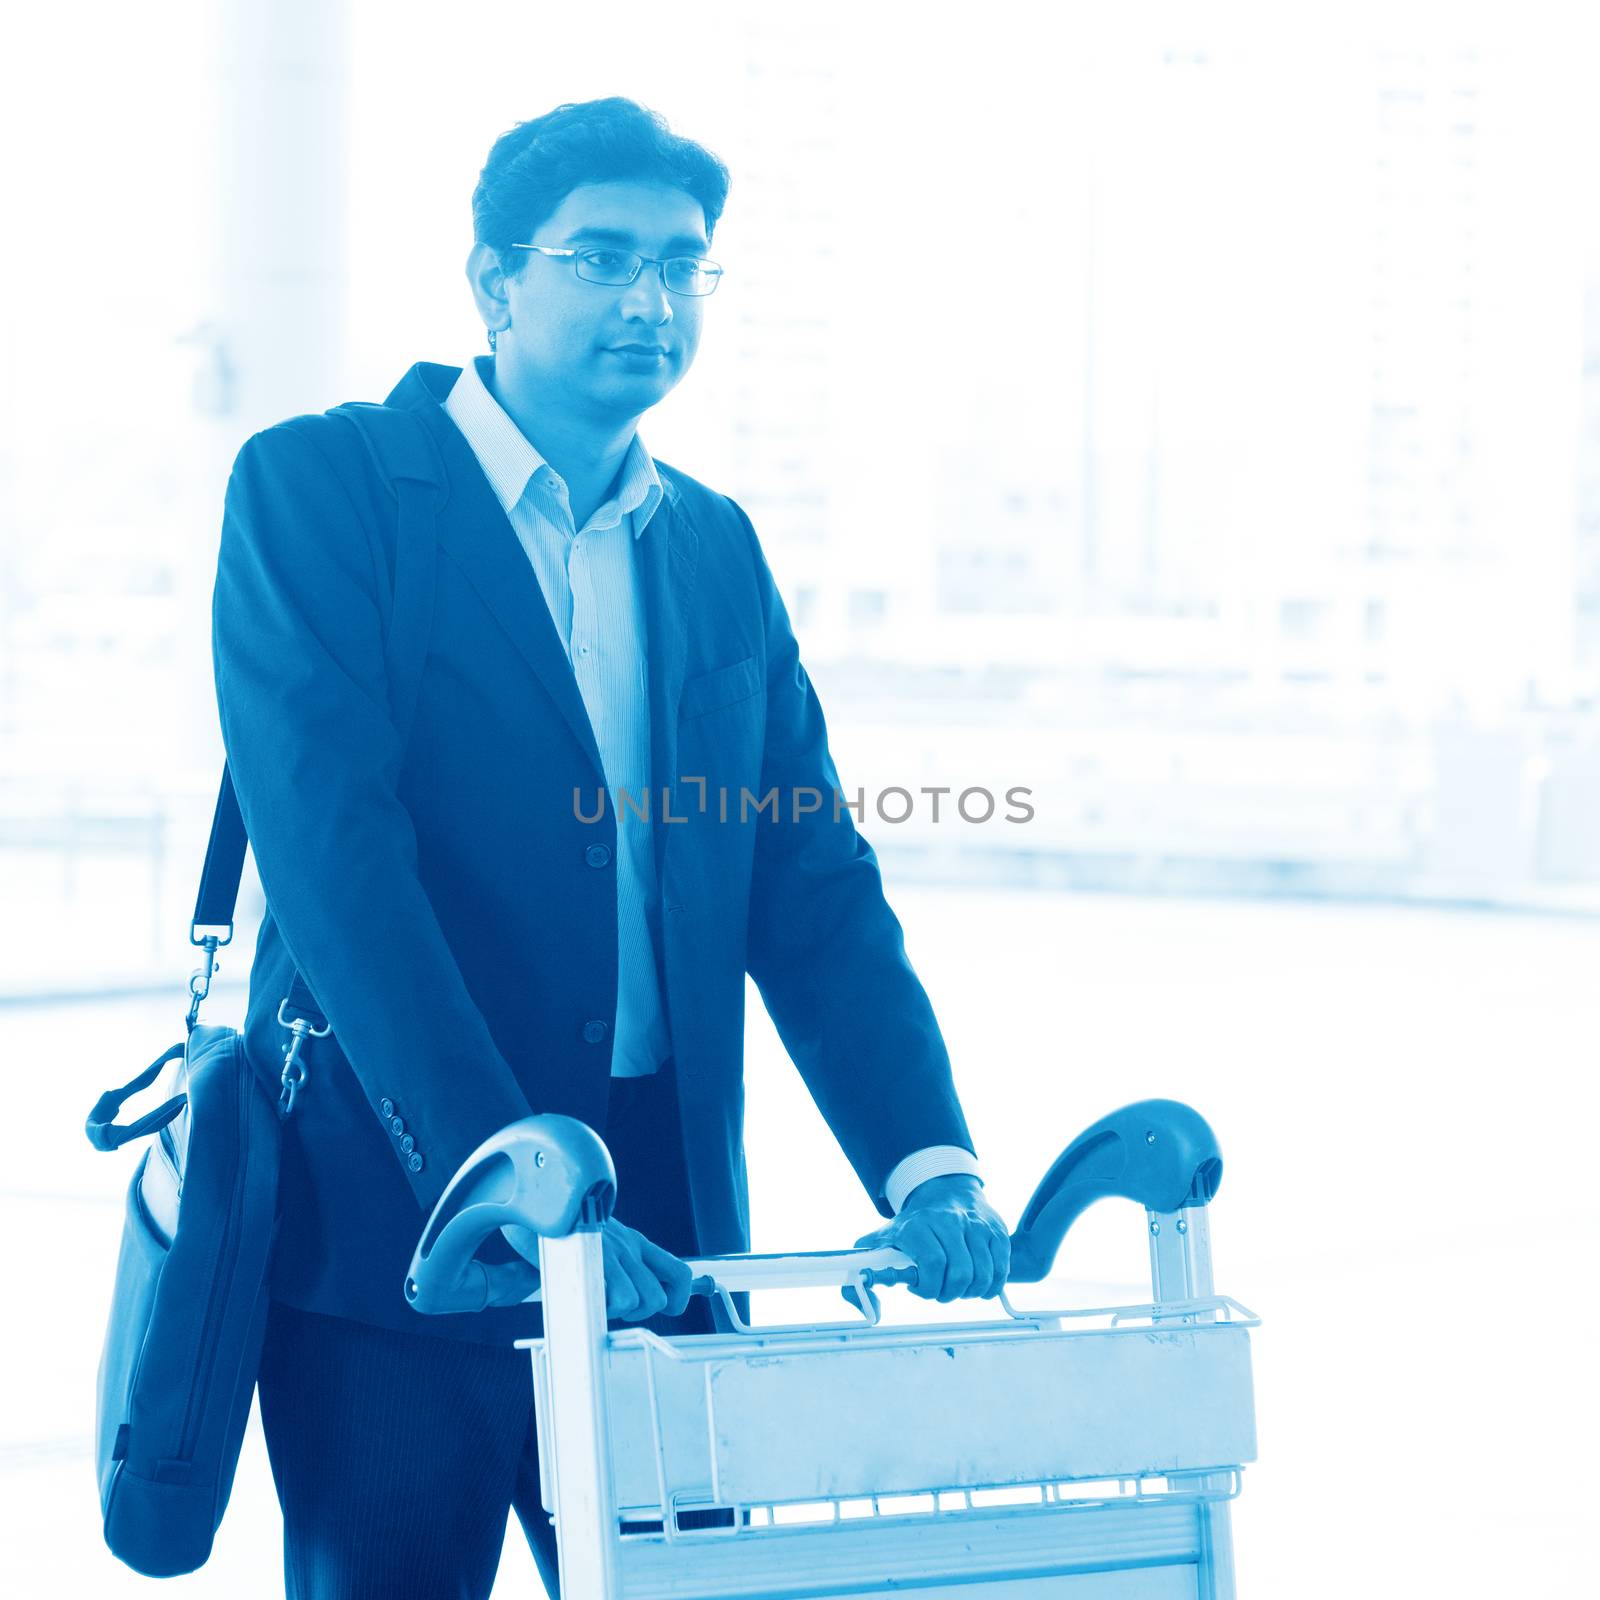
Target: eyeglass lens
681,274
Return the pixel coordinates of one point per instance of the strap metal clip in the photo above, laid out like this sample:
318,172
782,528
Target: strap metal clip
294,1069
200,978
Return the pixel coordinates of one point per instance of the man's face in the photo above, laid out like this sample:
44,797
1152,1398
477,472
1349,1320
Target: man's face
609,350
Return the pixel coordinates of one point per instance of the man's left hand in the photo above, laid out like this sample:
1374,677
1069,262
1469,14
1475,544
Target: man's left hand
961,1247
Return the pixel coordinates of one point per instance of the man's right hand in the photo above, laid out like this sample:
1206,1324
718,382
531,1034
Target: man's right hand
642,1279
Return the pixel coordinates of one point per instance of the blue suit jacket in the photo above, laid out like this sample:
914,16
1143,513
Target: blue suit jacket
442,899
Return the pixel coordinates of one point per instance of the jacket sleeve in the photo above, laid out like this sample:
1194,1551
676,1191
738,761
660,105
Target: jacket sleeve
298,634
825,949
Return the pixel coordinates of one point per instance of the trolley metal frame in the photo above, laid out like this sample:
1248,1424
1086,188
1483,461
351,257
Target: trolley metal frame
1060,1452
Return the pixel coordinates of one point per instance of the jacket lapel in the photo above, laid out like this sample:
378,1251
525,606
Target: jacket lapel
477,535
668,554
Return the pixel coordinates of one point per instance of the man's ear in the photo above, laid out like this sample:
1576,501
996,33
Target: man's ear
487,275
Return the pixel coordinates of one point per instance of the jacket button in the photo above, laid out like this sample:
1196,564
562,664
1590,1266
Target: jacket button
415,1162
597,855
386,1107
594,1032
408,1144
397,1124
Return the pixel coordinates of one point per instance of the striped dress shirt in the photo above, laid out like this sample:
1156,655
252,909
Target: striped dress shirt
590,583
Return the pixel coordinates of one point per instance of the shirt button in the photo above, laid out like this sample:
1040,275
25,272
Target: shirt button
408,1144
583,649
597,855
415,1162
386,1107
594,1032
397,1124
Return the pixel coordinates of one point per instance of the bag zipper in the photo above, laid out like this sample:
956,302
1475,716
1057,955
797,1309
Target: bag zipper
200,1381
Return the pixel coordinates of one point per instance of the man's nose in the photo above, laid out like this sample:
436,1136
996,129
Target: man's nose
646,298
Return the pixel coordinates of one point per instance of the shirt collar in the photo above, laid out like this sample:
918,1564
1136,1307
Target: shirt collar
509,460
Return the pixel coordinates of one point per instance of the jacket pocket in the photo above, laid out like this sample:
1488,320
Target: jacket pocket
723,686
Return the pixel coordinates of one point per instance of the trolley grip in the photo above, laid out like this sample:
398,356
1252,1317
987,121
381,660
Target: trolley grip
551,1175
1161,1154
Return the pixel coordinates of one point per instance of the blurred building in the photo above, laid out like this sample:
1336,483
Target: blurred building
1203,434
1586,564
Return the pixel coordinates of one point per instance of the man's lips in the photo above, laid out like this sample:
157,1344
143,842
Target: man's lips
638,349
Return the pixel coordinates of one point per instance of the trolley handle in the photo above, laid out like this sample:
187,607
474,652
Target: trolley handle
552,1176
1161,1154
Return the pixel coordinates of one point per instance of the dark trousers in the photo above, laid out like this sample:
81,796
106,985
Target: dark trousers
397,1456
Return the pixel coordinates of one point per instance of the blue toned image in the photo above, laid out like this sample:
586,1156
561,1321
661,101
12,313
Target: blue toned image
872,737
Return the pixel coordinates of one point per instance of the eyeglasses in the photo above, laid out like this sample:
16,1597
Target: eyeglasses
601,264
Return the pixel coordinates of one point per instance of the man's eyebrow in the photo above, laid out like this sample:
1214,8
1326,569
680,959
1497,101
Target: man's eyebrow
679,244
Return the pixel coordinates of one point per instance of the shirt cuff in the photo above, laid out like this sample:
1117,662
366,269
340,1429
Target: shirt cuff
936,1161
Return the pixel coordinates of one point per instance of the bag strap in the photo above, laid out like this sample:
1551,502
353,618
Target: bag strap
409,462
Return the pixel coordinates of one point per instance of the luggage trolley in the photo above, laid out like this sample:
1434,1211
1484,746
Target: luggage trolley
1066,1453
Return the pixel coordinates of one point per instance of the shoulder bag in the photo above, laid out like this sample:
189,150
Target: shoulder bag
188,1310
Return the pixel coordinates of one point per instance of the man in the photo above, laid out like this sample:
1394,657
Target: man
482,943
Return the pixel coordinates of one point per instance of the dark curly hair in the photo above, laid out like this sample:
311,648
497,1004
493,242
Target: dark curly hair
534,166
